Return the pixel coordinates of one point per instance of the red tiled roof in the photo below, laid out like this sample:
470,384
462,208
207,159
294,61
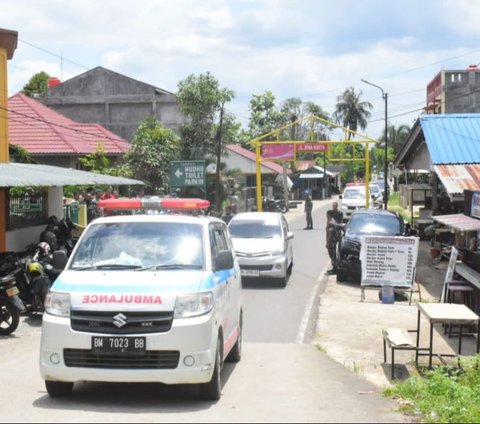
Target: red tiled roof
41,130
250,155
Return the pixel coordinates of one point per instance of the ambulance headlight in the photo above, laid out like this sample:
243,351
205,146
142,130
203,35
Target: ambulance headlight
58,304
193,305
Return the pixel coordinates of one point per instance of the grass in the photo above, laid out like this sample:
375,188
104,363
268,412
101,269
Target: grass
394,205
321,348
447,394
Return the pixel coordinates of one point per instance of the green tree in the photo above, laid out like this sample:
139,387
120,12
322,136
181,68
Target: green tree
351,112
38,84
96,161
294,109
264,115
153,148
19,154
396,136
201,99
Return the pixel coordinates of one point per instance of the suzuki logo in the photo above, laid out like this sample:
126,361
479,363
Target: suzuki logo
119,320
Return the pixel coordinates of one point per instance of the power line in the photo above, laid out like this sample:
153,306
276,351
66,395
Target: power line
53,54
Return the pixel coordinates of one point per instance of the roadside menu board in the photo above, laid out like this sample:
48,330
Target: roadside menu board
388,261
476,205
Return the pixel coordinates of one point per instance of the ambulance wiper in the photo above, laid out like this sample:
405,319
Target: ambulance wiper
170,266
106,266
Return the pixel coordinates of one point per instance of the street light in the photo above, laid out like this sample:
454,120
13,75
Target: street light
385,167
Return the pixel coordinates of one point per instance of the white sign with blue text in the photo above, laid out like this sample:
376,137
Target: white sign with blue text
388,261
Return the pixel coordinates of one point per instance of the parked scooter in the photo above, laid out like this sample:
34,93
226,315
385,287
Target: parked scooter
271,204
31,281
10,303
40,275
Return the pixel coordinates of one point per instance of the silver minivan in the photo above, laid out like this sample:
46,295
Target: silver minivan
263,245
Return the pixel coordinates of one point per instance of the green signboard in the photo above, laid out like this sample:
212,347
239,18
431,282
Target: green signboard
187,173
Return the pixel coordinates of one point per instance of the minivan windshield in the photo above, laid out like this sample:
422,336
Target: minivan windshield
254,229
354,193
140,245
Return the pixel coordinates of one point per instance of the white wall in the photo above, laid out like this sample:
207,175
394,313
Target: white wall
55,202
18,240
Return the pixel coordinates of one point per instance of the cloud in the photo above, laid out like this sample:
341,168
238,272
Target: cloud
309,49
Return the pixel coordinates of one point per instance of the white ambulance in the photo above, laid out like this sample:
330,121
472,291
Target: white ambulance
145,298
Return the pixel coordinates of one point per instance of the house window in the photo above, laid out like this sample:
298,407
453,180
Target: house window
27,209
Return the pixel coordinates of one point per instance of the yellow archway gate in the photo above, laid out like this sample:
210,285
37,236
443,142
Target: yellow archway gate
273,138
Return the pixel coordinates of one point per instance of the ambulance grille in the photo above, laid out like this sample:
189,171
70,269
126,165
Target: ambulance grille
130,322
153,359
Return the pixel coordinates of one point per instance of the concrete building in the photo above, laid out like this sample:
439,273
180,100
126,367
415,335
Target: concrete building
454,91
115,101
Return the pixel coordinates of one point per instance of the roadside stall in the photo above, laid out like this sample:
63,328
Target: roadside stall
466,228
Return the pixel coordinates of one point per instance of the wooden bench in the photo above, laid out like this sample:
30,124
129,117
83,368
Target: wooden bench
397,339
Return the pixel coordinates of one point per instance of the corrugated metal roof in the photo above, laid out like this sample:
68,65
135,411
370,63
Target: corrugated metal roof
316,172
457,178
458,221
452,138
41,130
22,174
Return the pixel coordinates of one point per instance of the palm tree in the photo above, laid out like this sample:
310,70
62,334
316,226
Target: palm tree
351,112
396,136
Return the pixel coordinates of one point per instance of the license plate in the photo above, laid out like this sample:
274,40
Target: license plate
119,345
12,291
250,272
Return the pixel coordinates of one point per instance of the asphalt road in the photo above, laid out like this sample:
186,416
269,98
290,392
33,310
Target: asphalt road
282,377
287,315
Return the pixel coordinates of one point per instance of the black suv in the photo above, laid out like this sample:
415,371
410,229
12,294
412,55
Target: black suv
364,222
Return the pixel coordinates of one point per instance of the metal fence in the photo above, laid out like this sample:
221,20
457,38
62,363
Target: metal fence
27,211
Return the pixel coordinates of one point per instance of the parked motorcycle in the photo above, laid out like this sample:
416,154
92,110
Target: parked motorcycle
31,280
276,204
58,234
281,205
11,304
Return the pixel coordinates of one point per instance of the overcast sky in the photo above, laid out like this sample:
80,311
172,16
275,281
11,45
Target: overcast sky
310,49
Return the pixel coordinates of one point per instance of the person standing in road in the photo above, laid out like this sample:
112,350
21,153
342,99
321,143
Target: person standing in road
228,215
334,217
308,212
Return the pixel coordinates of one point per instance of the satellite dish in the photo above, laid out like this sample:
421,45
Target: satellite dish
212,168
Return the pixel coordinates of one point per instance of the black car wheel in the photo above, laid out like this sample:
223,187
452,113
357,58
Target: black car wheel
341,275
213,389
9,317
58,388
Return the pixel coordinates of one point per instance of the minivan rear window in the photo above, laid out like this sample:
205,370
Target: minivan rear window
253,229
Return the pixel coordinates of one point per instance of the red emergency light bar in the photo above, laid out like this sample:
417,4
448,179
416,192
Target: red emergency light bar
157,204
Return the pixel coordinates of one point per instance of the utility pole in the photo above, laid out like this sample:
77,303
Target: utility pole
219,156
385,165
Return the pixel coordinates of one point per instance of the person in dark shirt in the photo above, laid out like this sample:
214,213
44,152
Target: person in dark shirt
308,211
334,217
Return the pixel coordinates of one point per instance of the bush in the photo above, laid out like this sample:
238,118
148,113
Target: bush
447,394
